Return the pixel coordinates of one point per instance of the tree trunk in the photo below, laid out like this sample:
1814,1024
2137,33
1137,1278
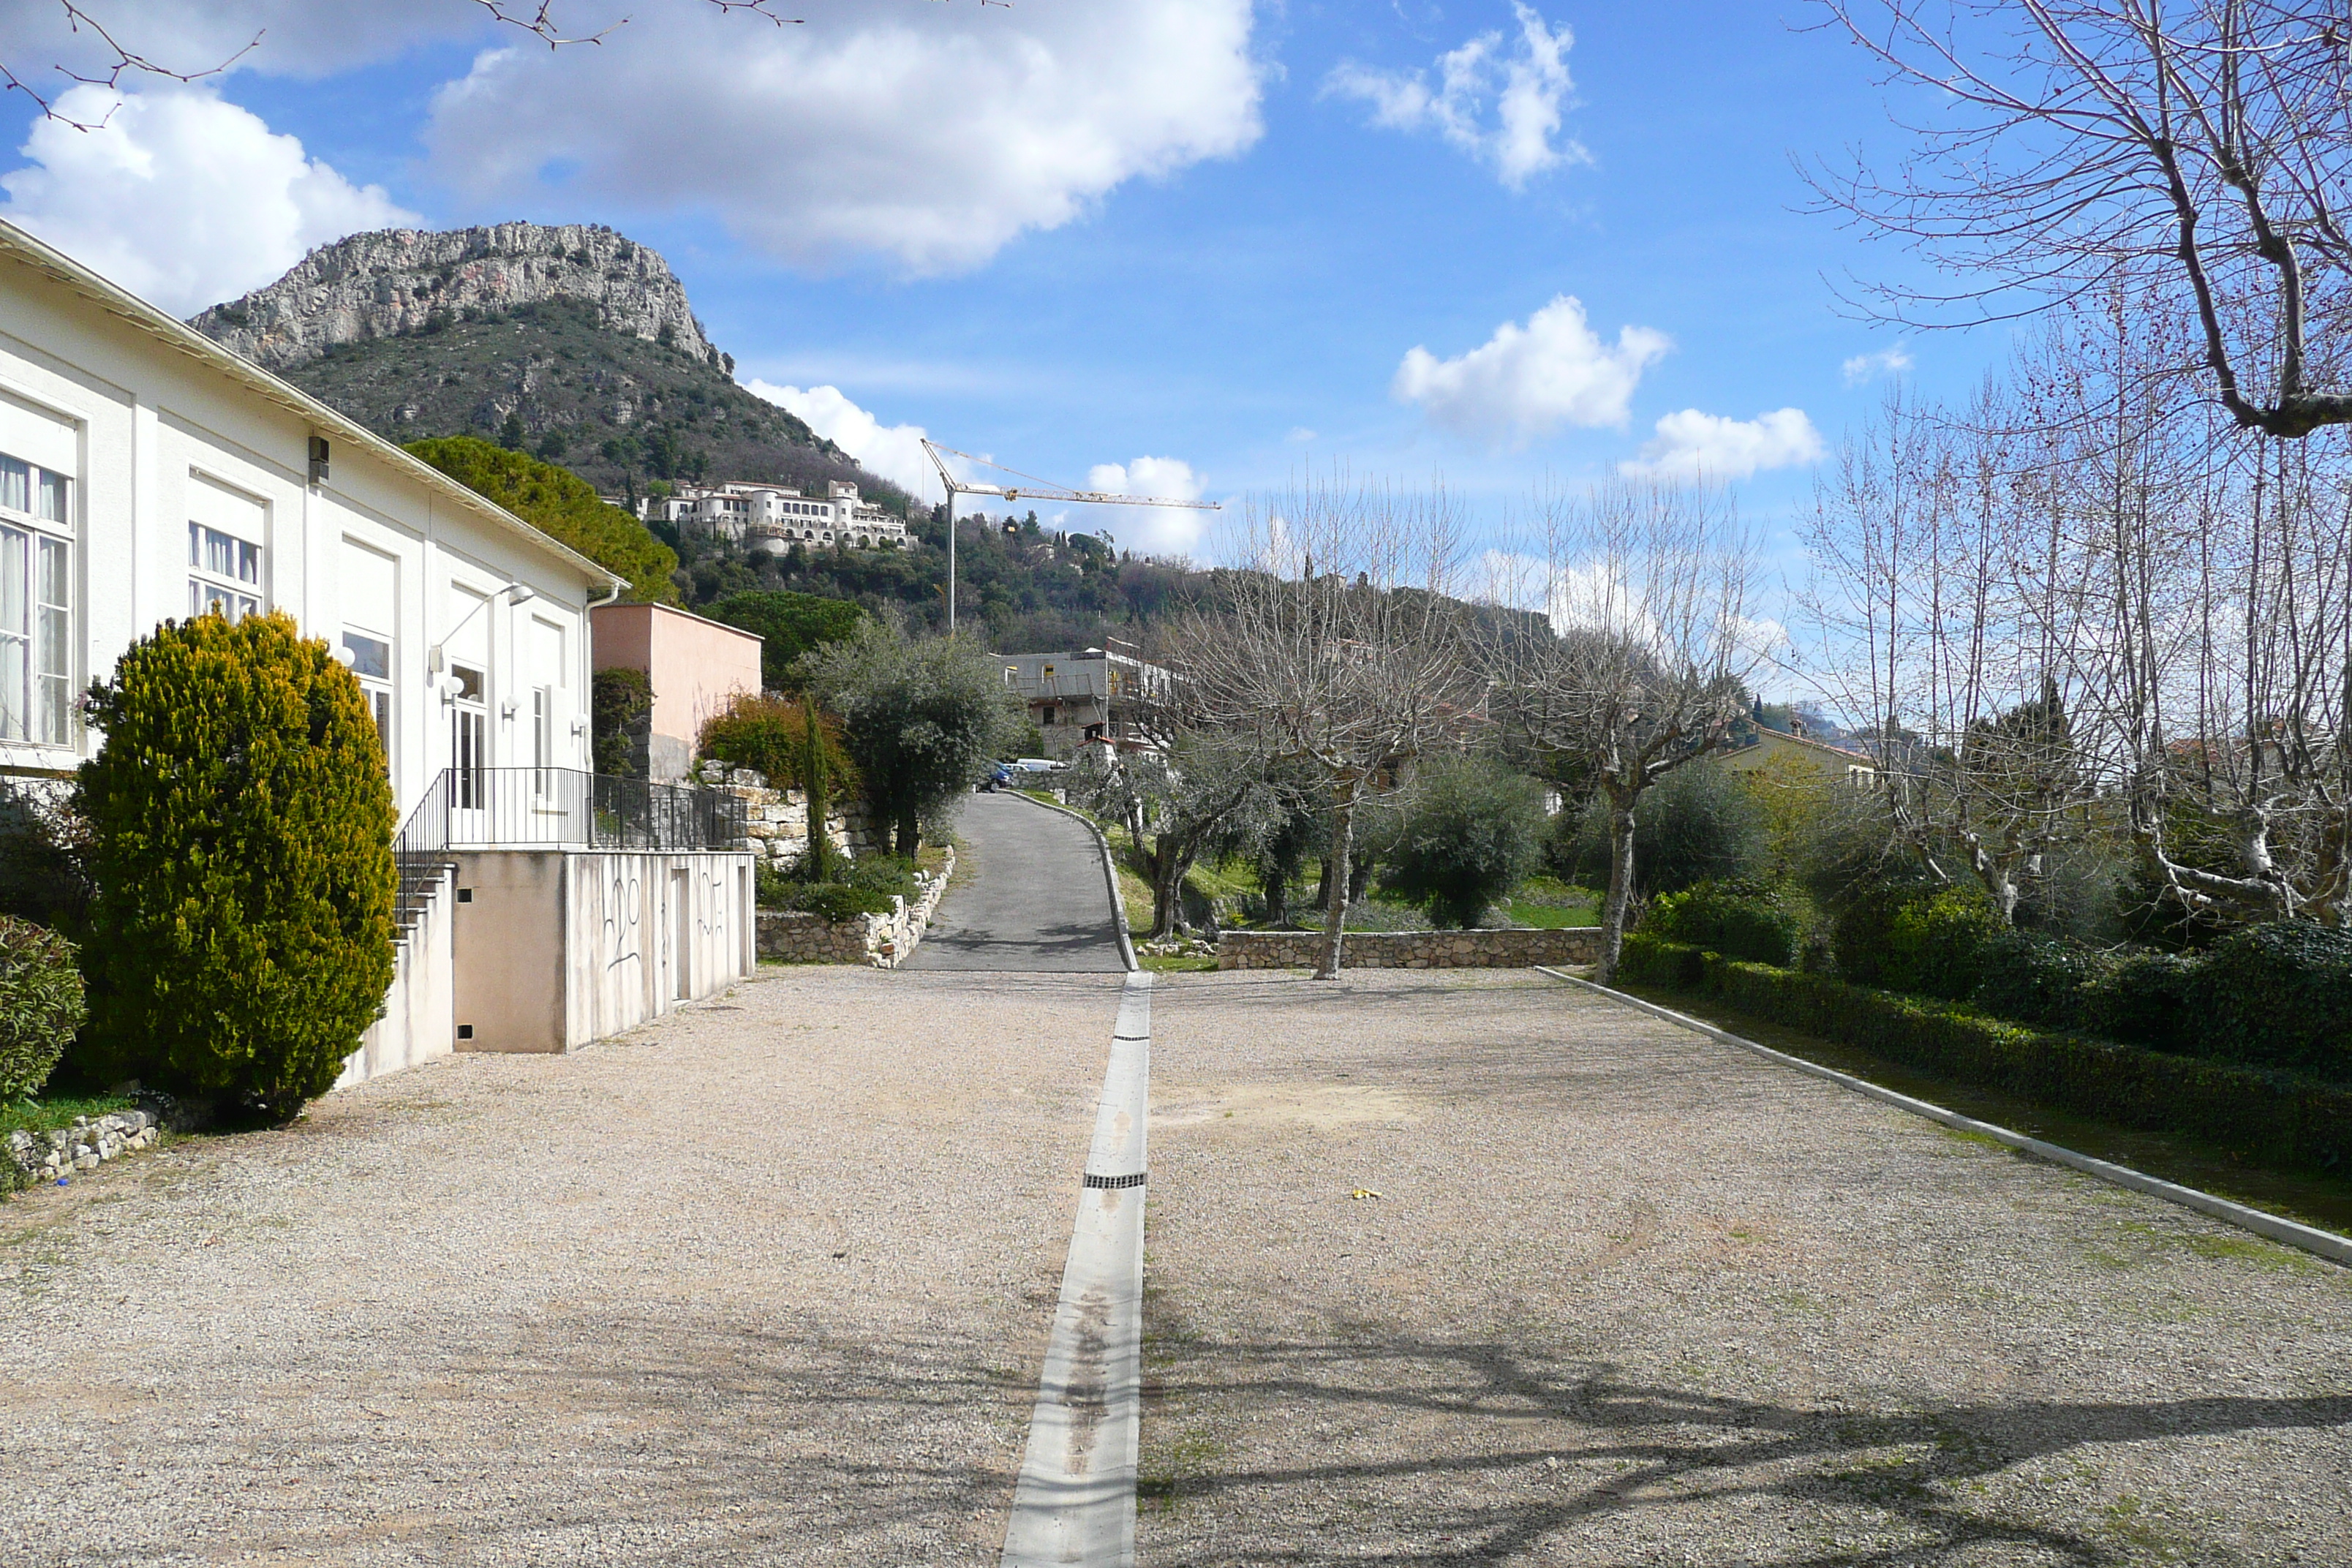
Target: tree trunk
1359,879
1322,884
909,832
1167,891
1621,882
1277,900
1343,840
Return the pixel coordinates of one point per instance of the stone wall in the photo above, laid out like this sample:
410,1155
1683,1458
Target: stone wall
89,1142
886,941
778,818
1410,949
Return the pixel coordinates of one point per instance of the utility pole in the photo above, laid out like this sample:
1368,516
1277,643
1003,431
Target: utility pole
1032,486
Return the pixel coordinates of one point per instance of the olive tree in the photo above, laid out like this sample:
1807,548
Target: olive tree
921,718
1205,796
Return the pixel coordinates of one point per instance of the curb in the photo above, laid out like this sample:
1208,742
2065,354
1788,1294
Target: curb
1110,873
2289,1233
1074,1501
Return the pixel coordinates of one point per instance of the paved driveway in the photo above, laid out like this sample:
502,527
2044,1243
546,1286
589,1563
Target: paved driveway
1035,899
1629,1295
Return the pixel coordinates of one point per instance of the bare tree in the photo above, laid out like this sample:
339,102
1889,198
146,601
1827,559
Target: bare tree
2061,145
1341,651
1645,666
1938,594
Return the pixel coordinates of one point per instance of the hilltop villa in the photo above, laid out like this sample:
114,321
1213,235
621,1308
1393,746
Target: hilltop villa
772,520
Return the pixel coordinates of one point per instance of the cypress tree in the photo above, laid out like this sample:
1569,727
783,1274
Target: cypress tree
239,939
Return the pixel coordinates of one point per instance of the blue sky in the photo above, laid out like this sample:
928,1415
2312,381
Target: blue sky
1190,239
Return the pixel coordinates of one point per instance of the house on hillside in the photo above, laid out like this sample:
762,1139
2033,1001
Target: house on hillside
147,474
1760,747
771,519
696,667
1091,695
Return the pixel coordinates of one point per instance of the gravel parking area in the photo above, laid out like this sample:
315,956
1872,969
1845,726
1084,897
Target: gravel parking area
1627,1296
769,1282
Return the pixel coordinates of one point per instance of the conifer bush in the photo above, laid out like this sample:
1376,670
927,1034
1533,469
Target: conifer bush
40,1004
239,939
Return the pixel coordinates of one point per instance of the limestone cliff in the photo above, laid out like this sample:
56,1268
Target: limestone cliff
402,280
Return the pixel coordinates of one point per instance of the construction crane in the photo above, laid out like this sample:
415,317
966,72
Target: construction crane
1033,488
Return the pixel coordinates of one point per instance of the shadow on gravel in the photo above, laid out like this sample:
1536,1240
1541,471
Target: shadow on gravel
1625,1450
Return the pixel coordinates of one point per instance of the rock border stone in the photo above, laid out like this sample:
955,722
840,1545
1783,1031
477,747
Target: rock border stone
885,940
89,1143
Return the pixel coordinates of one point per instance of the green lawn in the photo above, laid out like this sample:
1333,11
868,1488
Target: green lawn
51,1113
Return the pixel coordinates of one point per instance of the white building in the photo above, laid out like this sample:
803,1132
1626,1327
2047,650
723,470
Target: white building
772,520
147,474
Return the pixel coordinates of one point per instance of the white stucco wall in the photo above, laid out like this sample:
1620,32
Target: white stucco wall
154,433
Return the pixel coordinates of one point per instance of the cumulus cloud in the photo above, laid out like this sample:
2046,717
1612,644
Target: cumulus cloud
931,137
181,197
1891,360
1499,101
1147,529
895,452
1695,445
1528,382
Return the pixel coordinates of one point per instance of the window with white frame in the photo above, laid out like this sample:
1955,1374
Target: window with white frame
223,574
36,603
370,658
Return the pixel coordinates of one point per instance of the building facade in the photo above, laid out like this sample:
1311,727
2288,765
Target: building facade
1091,695
147,474
696,666
771,519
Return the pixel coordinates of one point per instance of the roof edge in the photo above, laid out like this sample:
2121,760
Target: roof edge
177,335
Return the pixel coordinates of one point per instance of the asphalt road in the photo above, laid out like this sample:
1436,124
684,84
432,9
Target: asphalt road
1035,899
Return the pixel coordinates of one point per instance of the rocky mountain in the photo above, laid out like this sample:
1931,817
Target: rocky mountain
571,341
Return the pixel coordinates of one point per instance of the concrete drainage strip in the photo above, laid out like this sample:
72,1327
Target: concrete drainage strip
1074,1502
2310,1238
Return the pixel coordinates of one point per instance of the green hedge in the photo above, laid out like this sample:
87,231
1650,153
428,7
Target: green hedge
2271,1117
40,1004
1743,920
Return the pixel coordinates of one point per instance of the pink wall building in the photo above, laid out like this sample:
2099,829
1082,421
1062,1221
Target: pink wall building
697,668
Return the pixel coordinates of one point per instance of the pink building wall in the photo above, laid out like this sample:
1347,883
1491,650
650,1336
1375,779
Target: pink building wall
696,666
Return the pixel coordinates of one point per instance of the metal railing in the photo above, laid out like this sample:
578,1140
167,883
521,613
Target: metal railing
554,808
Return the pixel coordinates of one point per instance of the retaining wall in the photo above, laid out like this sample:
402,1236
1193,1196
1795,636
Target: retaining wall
1410,949
883,941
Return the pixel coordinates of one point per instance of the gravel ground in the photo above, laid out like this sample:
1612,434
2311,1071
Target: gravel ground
1627,1296
769,1281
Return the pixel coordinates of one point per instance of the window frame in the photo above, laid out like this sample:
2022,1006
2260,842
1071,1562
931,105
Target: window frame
44,537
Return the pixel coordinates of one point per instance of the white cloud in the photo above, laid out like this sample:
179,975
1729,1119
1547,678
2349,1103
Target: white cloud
1147,529
1299,433
1524,83
297,37
1526,382
1695,445
1891,360
893,451
182,199
931,135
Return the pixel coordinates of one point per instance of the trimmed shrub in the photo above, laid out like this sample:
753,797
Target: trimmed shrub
1473,832
2147,998
1936,946
1742,920
2036,980
41,1004
2276,1118
239,941
2280,994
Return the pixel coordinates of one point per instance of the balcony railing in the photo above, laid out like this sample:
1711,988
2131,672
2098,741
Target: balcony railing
555,808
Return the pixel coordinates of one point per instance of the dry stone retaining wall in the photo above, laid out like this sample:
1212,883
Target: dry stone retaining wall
84,1146
884,942
776,820
1410,949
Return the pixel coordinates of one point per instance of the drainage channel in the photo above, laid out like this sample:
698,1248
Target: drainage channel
1074,1502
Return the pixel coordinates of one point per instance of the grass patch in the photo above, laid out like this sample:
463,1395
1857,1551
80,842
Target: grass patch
1177,963
53,1114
